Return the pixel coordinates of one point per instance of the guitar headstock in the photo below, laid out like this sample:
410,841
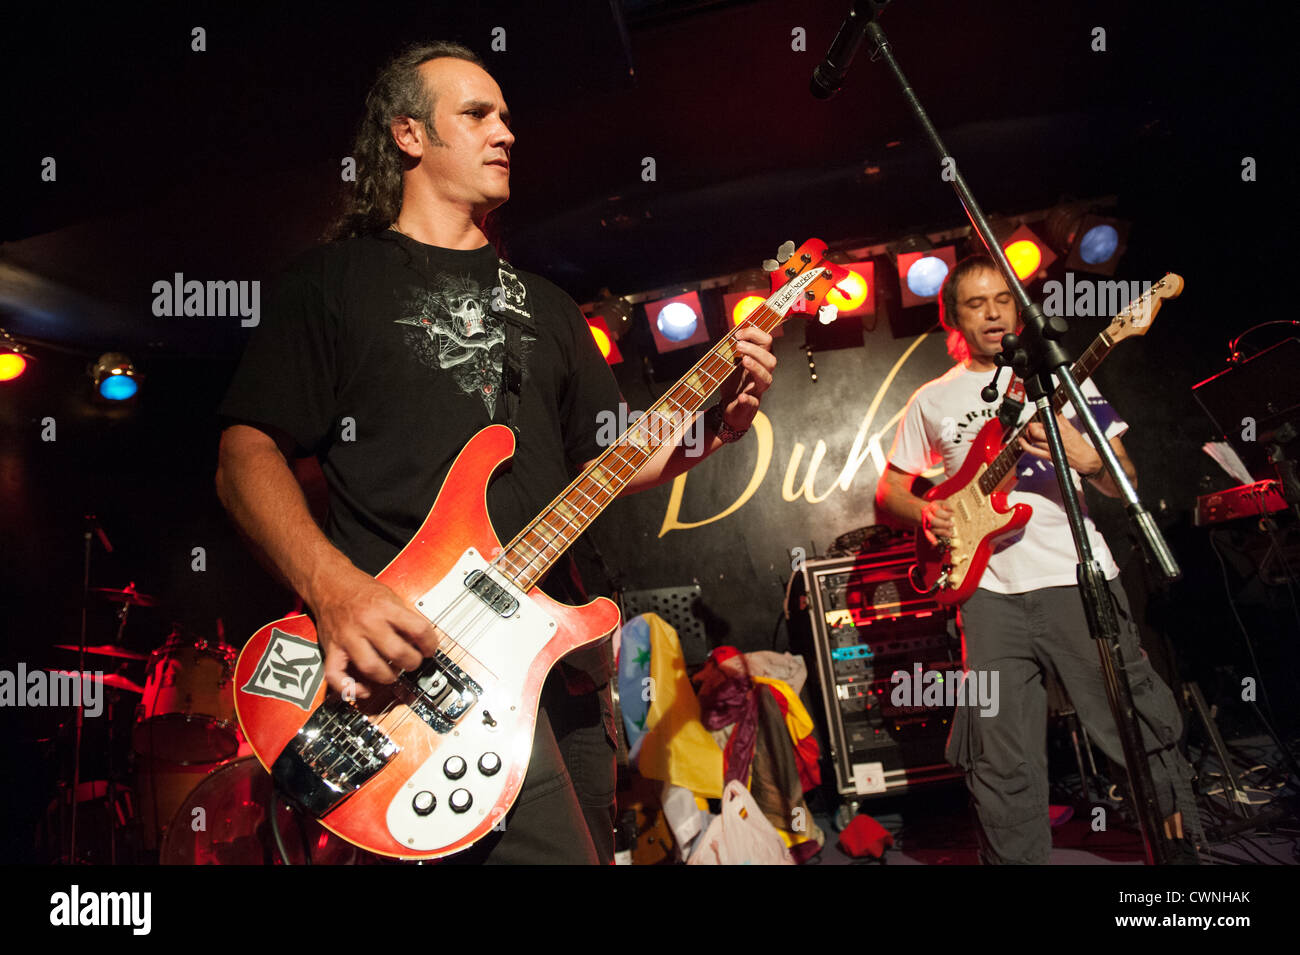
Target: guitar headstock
801,280
1137,316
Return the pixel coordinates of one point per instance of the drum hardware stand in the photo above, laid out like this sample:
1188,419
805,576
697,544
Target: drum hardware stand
91,530
1036,355
92,524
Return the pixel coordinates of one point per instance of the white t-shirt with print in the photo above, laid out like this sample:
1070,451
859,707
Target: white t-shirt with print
939,423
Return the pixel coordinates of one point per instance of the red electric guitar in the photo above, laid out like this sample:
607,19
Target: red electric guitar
977,494
430,764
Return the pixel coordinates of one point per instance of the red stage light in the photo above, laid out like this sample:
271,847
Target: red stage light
604,340
745,307
856,294
1027,253
1025,257
11,366
740,306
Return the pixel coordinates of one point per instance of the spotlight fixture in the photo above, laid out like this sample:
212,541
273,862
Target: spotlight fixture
921,274
677,322
855,295
747,291
1096,242
13,357
114,376
1099,245
614,311
604,339
1028,254
740,305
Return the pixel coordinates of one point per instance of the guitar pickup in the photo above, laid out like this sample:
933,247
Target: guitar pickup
502,601
439,692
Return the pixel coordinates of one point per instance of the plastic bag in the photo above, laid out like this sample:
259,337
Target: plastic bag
740,835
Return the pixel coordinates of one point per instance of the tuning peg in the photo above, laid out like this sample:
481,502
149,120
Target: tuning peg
771,265
784,253
827,314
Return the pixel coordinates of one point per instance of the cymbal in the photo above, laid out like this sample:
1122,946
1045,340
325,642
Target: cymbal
114,680
105,650
128,595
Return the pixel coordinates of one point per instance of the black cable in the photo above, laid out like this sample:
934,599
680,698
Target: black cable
275,829
303,837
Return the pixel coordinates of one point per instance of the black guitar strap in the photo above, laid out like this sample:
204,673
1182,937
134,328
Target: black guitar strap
1013,402
510,299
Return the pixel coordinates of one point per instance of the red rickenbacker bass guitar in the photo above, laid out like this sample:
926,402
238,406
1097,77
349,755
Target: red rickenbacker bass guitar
977,494
430,764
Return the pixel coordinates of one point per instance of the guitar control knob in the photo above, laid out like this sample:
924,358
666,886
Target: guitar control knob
424,802
454,767
460,800
489,764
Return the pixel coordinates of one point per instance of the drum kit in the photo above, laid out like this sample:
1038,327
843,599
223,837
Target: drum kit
194,793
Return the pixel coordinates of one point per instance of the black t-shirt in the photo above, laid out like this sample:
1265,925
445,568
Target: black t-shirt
383,356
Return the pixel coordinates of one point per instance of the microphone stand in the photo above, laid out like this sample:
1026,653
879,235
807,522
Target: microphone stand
1037,355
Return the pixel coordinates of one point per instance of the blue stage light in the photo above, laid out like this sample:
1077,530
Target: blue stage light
1098,244
677,321
118,387
926,276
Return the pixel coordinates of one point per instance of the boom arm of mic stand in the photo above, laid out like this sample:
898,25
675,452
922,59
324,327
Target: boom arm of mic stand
1138,514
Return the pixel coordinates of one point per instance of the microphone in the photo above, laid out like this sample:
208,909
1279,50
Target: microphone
829,75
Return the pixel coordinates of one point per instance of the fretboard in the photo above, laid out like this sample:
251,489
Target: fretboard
1082,369
528,557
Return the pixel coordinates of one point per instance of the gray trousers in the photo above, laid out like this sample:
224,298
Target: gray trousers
1005,755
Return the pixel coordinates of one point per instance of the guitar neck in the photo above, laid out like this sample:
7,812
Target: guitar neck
1082,369
533,551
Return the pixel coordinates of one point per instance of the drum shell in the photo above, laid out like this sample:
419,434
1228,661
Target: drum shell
223,821
187,714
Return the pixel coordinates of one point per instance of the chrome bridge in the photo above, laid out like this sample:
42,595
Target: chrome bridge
338,749
334,753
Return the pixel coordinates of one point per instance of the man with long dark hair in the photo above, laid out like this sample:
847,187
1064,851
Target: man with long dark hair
382,354
1027,616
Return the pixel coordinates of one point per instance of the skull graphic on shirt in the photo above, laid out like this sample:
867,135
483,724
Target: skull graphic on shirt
459,333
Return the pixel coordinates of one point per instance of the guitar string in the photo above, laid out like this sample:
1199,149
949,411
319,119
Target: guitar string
462,634
765,315
524,538
484,615
482,620
1058,395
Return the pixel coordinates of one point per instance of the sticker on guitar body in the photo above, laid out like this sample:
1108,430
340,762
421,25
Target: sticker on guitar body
290,669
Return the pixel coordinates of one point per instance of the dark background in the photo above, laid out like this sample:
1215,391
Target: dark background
224,163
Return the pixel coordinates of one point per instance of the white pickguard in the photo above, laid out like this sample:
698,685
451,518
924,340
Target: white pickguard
503,649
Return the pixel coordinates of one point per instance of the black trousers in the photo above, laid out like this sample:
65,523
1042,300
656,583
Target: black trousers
1004,753
564,814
